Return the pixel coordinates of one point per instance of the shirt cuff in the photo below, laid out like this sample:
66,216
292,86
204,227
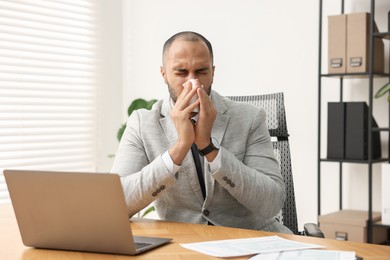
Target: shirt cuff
172,167
216,163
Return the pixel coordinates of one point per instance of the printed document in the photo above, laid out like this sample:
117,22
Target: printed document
247,246
307,255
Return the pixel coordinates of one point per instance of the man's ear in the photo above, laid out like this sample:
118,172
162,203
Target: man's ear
163,74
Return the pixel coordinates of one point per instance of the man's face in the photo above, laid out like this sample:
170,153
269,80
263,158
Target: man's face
187,60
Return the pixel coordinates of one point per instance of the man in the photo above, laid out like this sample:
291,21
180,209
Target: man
235,183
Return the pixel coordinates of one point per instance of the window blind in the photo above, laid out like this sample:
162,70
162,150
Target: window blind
47,86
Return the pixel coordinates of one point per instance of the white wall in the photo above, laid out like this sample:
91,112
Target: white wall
260,47
110,71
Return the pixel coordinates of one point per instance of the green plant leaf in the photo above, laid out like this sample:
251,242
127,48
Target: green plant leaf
383,90
120,132
140,103
137,104
150,103
151,209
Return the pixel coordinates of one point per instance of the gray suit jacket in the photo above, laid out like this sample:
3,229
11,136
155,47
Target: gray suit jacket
246,192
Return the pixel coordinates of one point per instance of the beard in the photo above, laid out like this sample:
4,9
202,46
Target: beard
174,95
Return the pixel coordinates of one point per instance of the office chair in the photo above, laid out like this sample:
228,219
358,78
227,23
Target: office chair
273,104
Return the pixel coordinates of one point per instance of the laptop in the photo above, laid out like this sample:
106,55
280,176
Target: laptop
74,211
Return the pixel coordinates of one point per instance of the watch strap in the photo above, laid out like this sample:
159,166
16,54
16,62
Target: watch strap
208,149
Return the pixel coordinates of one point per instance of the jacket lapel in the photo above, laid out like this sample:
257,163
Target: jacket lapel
218,132
166,122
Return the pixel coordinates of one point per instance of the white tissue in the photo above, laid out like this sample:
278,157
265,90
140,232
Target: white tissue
195,97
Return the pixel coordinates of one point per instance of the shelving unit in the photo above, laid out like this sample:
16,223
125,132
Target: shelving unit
341,77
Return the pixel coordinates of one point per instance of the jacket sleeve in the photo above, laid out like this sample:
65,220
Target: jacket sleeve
143,181
252,174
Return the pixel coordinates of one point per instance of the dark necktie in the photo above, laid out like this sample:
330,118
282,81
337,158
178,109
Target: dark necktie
198,165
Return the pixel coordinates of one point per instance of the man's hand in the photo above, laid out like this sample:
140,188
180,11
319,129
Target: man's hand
181,115
188,132
207,114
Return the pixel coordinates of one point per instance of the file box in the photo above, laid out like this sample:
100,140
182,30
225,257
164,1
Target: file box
351,225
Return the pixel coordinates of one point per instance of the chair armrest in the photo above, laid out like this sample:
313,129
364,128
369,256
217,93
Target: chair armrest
313,230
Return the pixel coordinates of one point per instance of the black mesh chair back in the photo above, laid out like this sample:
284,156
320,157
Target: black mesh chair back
273,104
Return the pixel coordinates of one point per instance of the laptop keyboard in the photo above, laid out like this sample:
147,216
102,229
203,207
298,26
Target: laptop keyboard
141,245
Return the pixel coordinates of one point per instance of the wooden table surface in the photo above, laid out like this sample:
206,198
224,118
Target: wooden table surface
11,246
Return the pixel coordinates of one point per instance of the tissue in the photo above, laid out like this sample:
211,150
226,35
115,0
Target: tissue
195,97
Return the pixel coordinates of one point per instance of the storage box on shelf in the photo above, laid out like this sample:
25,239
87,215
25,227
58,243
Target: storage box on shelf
351,225
348,44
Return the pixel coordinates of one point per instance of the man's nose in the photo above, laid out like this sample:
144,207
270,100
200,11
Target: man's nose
191,76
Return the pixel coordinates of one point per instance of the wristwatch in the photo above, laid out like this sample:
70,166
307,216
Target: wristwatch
214,145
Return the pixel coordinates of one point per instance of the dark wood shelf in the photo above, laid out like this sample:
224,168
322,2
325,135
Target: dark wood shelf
381,129
356,75
383,35
379,160
379,224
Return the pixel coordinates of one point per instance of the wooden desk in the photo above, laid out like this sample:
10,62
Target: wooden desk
11,246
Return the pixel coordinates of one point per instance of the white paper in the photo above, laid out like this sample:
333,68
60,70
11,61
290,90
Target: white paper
247,246
307,255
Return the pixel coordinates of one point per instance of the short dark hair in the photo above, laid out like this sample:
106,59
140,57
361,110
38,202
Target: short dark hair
188,36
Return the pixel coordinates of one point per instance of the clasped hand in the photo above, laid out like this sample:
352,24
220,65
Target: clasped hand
188,131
